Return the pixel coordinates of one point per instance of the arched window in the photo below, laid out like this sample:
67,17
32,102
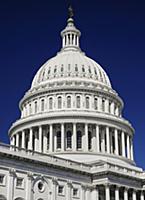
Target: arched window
42,105
58,135
87,102
89,140
59,102
79,139
96,104
2,197
35,107
78,102
68,102
69,139
50,103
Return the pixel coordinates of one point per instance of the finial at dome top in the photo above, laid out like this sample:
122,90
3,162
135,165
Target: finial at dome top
70,35
70,11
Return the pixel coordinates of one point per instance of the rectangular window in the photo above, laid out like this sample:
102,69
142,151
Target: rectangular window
19,182
61,190
75,192
2,179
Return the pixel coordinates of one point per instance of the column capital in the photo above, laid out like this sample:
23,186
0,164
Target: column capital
30,175
55,180
69,183
12,172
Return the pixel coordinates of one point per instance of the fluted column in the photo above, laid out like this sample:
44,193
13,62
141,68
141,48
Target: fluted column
116,142
30,146
103,140
85,147
117,193
108,139
10,184
123,143
51,138
83,196
128,147
62,138
69,188
97,138
74,140
45,140
17,140
131,150
99,104
29,186
142,196
40,138
112,108
95,193
125,194
107,192
54,189
88,196
23,139
36,145
134,195
107,105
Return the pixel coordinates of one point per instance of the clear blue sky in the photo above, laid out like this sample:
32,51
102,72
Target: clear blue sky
113,34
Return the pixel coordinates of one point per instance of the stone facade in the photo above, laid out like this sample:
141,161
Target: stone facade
71,141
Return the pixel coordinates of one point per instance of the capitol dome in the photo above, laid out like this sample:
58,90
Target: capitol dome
72,111
71,64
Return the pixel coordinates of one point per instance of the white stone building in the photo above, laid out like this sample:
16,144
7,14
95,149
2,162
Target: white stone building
71,141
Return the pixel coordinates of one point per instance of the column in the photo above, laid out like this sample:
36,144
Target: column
123,143
103,140
142,195
17,140
30,146
74,138
86,138
117,193
45,140
10,188
106,105
128,147
88,196
40,138
131,141
99,104
125,194
134,195
62,138
54,188
50,137
116,142
97,138
108,140
68,192
83,197
112,108
29,186
95,193
36,140
107,192
23,139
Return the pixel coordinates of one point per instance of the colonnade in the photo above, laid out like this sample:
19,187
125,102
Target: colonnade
71,101
75,137
114,192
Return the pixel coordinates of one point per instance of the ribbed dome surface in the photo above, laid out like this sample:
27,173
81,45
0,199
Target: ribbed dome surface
70,64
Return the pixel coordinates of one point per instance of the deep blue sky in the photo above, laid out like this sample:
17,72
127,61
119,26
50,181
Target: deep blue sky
113,34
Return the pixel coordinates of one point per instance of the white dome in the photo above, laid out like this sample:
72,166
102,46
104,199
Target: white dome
70,65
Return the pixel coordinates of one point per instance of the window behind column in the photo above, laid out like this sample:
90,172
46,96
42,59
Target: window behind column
58,135
69,139
79,139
